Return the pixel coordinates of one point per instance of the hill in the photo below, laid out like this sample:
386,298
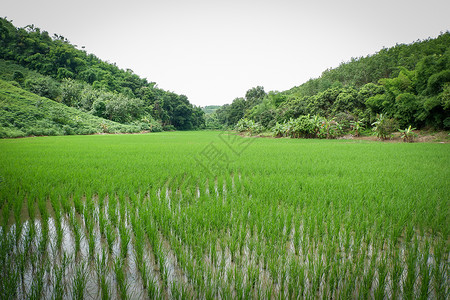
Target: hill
409,83
129,97
209,109
23,113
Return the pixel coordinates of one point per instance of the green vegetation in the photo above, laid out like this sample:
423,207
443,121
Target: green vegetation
66,74
23,113
408,83
261,218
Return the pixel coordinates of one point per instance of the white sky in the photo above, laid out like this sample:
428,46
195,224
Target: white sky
214,51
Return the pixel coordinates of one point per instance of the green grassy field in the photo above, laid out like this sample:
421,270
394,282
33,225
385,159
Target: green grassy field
210,214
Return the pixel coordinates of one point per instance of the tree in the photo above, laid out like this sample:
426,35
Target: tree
254,96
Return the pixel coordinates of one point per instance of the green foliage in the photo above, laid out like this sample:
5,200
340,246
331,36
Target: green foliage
357,127
384,126
18,76
43,86
124,95
254,96
406,82
408,134
71,92
246,125
308,127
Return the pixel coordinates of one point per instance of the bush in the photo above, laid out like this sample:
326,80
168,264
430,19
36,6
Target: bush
384,127
408,135
308,127
18,76
71,92
246,125
278,130
169,127
147,123
6,132
43,86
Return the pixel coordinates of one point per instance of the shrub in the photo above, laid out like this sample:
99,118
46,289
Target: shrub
18,76
71,92
169,127
408,135
43,86
384,127
278,130
357,127
246,125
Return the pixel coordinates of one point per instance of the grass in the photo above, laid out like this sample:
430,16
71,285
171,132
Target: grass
155,217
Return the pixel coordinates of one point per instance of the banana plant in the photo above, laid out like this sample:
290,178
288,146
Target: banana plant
408,135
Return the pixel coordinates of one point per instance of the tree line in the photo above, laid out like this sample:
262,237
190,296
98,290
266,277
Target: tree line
409,84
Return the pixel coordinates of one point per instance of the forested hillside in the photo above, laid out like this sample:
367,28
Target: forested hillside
81,80
23,113
409,84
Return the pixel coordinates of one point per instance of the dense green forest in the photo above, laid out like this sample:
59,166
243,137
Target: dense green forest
75,78
407,84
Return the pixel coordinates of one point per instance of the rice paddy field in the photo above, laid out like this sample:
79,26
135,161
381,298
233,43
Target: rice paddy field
203,215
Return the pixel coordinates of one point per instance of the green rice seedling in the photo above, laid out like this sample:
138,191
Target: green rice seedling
175,291
121,279
78,204
5,216
318,203
110,236
76,234
379,292
101,270
440,269
112,214
425,272
102,222
10,276
37,286
104,287
411,260
124,239
65,203
368,277
153,291
91,245
42,248
58,287
79,282
58,226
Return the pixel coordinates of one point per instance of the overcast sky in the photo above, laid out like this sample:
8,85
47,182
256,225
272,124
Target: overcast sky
214,51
